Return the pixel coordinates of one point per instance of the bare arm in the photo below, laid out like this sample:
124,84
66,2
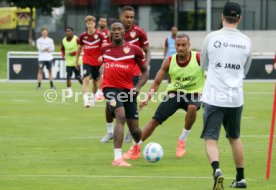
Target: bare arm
147,54
157,81
144,77
79,50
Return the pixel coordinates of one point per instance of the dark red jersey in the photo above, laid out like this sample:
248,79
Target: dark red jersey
119,62
137,36
91,47
105,33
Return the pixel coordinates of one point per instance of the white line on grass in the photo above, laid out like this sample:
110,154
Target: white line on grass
104,176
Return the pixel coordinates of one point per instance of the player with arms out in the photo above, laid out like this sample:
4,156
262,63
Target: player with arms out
69,46
137,36
226,57
90,42
187,80
119,59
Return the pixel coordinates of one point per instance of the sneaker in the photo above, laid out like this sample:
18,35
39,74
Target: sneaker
87,104
133,153
180,149
128,138
107,137
120,163
218,177
239,184
53,88
99,96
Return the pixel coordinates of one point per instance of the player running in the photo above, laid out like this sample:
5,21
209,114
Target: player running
187,81
119,59
137,36
90,42
69,46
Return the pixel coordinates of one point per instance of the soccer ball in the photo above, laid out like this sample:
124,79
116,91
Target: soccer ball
153,152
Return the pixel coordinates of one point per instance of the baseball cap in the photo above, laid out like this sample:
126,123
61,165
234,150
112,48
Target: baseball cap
232,9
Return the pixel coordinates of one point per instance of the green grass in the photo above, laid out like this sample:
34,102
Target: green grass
55,146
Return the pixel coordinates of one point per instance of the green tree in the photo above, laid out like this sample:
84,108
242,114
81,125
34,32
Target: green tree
44,5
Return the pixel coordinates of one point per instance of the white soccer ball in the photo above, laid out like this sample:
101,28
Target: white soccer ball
153,152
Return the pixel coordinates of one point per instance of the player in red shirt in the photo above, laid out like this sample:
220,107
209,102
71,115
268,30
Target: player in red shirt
102,28
90,42
137,36
119,59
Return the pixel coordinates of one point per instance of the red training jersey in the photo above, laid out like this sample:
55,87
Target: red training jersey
91,47
119,62
105,33
137,36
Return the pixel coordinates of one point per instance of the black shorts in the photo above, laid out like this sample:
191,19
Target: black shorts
93,71
174,101
48,64
70,70
214,116
135,80
116,98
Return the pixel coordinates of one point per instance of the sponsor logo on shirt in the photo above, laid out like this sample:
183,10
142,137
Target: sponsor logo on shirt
116,65
232,66
90,47
217,44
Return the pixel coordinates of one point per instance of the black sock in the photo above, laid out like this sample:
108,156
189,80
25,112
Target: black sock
38,84
215,165
240,174
79,79
51,84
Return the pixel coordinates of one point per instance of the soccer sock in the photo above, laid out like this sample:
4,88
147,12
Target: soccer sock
215,165
184,134
110,127
85,97
117,153
51,84
139,143
39,84
240,174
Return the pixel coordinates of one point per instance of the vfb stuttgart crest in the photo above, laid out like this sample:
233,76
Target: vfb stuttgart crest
17,68
132,34
96,36
126,49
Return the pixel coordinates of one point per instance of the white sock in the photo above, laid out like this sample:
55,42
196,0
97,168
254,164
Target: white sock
118,153
184,134
99,91
139,143
85,97
110,127
70,90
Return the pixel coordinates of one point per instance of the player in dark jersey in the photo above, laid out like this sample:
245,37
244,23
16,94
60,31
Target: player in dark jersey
90,42
137,36
119,59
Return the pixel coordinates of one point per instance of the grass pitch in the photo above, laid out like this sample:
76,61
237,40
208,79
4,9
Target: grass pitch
56,146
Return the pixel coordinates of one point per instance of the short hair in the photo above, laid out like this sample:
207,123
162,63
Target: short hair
231,19
127,8
119,22
183,35
69,27
90,18
44,28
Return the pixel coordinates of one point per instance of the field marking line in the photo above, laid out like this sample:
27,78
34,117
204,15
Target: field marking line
108,176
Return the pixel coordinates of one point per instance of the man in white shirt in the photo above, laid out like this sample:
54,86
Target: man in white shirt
45,46
226,58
